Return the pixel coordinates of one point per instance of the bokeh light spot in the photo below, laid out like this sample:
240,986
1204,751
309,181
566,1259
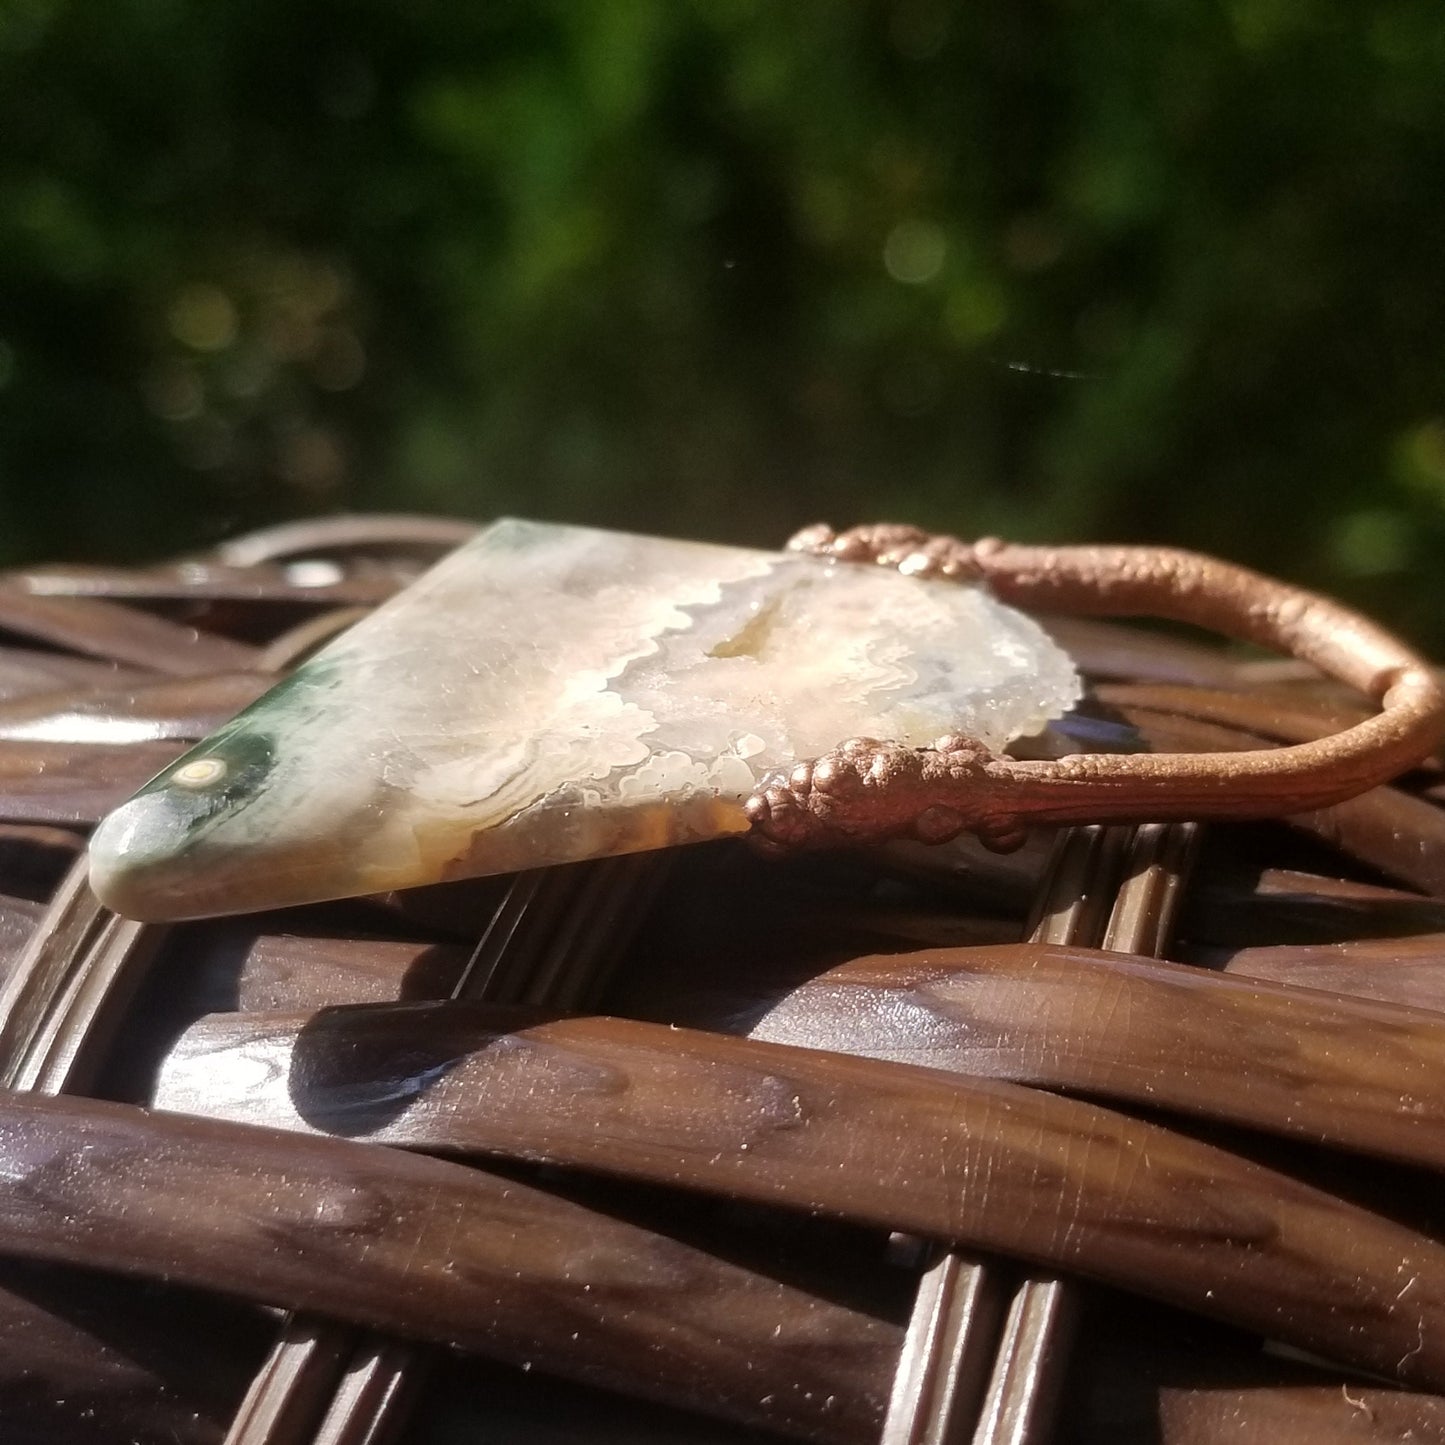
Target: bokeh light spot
914,252
202,317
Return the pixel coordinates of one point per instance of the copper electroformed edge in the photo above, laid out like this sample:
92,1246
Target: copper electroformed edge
866,790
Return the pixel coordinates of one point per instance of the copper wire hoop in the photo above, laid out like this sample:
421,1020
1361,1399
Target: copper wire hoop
869,789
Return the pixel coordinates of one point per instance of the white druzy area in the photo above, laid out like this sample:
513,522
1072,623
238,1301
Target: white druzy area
547,694
559,692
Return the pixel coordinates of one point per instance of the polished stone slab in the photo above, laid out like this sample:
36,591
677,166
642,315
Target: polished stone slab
550,693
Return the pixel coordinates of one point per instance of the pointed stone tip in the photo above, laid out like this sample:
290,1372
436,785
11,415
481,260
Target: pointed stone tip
128,854
111,879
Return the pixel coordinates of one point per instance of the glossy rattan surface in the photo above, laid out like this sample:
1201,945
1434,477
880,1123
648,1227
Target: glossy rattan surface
911,1145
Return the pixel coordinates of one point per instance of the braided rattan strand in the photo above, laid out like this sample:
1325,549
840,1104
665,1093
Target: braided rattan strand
1249,921
388,532
1029,1369
549,941
949,1351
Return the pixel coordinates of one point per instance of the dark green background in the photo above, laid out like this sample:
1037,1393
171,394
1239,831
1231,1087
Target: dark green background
1161,270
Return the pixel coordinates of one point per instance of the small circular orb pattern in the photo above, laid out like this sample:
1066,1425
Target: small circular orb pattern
200,773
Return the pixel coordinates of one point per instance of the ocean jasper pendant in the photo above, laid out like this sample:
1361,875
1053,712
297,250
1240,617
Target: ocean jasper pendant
547,694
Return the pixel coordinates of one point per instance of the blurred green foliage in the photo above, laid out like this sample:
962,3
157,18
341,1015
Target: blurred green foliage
1168,271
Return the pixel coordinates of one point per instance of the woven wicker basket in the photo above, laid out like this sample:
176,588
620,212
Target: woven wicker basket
642,1149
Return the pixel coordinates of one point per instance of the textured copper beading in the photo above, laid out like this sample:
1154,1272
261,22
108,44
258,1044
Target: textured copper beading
867,790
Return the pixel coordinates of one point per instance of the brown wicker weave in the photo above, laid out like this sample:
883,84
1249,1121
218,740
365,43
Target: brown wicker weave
717,1197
